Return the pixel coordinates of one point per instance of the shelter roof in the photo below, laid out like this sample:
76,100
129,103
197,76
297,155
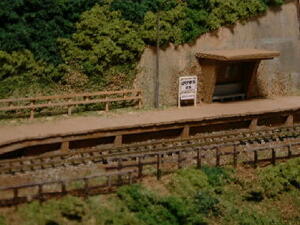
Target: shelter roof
237,54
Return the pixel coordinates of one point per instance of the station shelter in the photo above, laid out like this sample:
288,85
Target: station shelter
230,74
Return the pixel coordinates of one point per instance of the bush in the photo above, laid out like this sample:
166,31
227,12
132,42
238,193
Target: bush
188,182
152,209
55,212
36,24
22,75
217,176
206,204
103,45
281,178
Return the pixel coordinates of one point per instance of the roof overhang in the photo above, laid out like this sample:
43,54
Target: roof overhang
238,55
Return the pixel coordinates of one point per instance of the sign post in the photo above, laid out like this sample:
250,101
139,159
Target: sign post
187,89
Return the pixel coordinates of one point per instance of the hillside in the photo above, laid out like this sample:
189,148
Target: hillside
60,46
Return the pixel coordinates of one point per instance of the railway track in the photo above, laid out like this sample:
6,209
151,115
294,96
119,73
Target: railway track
109,155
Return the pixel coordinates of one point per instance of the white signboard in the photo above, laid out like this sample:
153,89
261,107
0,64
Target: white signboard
187,89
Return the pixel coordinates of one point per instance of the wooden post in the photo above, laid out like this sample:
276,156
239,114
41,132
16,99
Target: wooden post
130,178
86,186
158,170
106,105
140,167
70,108
179,160
63,188
32,110
185,132
234,156
40,192
140,100
273,156
198,159
65,146
120,167
217,157
118,140
289,150
289,120
255,158
109,181
253,124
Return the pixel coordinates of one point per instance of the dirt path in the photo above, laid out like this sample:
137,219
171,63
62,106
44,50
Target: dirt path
112,120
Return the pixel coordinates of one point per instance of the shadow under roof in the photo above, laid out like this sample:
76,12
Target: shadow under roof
237,54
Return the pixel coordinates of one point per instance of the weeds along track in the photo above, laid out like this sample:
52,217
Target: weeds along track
109,155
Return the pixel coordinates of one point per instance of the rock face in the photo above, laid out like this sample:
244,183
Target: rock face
277,30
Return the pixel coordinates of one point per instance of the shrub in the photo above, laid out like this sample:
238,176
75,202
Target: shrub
21,73
281,178
103,44
206,204
217,176
188,182
152,209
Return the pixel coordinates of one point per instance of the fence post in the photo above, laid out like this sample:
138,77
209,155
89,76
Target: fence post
289,150
255,158
198,159
158,170
119,169
63,188
70,108
140,99
273,156
234,156
106,105
140,167
40,192
32,110
86,186
130,178
217,156
179,160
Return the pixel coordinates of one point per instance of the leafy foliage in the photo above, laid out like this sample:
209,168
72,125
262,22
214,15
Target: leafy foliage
20,71
103,45
188,182
36,24
99,41
280,178
152,210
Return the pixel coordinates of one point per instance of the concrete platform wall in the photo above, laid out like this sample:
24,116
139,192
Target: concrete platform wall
278,30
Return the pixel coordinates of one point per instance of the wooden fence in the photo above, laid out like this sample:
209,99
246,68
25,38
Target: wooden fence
37,191
128,168
71,101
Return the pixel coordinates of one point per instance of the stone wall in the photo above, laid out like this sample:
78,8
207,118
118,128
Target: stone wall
277,30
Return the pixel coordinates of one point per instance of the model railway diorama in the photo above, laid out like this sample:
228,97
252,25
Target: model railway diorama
137,95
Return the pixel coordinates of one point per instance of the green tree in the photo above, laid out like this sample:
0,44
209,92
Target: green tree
104,44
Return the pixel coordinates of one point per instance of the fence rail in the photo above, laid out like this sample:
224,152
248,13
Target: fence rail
70,101
108,183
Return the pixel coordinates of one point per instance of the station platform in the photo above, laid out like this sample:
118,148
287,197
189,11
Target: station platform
140,119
